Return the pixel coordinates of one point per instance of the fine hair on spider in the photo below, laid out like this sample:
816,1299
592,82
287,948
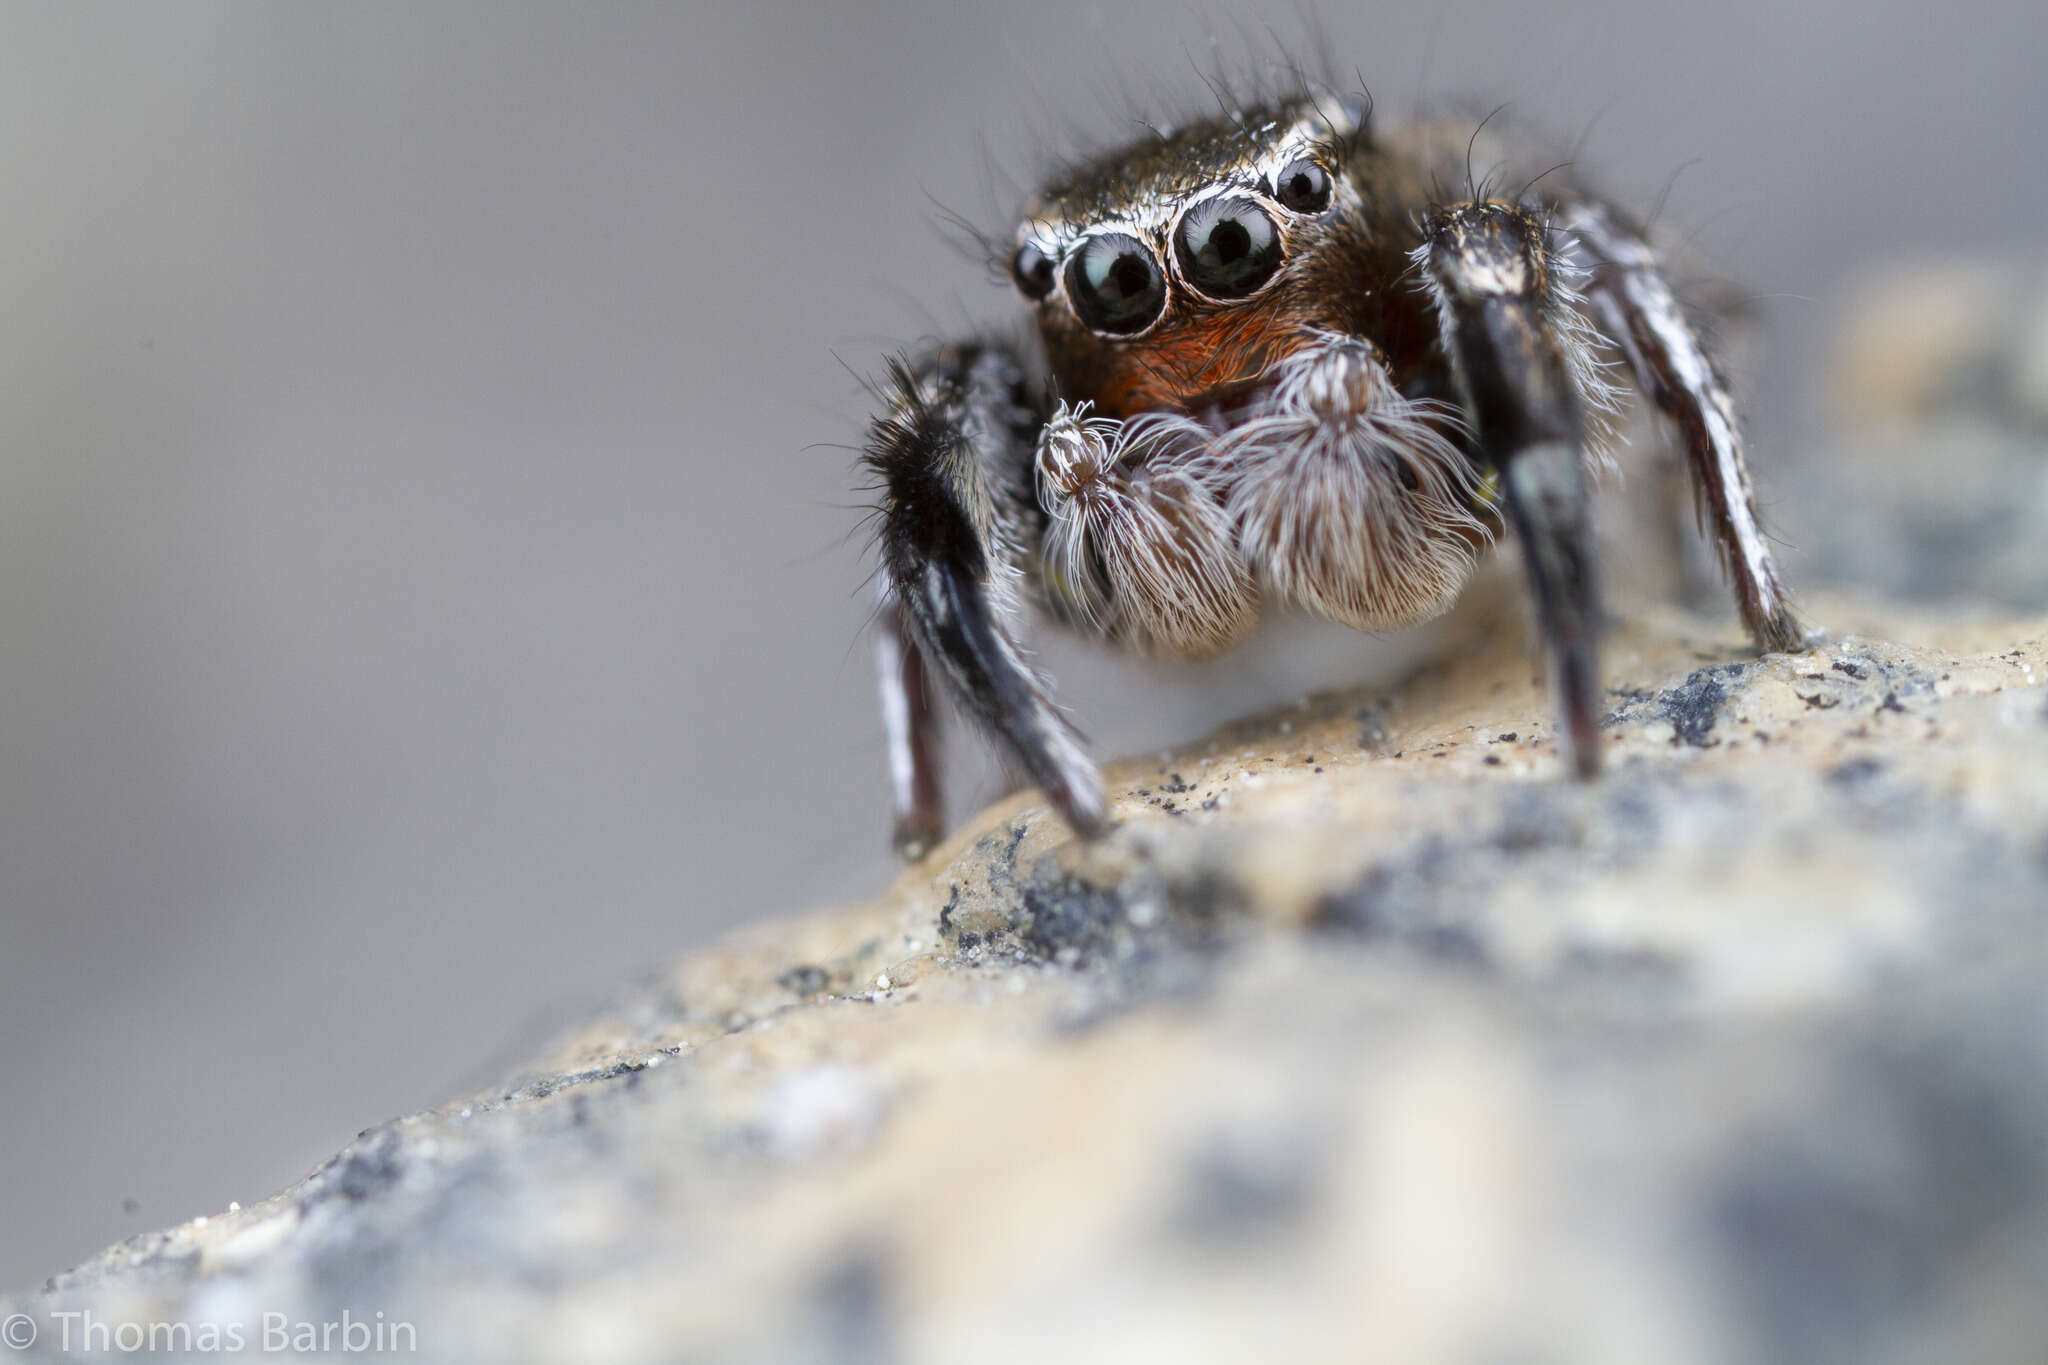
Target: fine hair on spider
1283,356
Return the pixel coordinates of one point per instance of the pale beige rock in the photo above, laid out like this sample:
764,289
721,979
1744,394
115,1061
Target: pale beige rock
1365,1037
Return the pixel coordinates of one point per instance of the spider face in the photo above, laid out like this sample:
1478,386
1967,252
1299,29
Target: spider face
1174,272
1285,370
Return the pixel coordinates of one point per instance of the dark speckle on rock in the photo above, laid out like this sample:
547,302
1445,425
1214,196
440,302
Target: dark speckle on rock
1069,915
1530,820
1401,906
372,1165
1694,705
1452,945
852,1321
1233,1192
1835,1244
1819,1249
1856,772
805,980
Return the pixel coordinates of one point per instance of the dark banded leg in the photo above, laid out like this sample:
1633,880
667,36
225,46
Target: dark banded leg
1490,272
910,718
952,457
1635,305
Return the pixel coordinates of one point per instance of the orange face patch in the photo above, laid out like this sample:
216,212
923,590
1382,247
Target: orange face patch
1183,363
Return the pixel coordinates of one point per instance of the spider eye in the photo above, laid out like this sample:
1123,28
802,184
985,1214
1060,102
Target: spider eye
1228,247
1033,271
1303,186
1116,284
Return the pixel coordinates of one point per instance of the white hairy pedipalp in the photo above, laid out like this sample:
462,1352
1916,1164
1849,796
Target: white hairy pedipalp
1138,543
1328,489
1350,499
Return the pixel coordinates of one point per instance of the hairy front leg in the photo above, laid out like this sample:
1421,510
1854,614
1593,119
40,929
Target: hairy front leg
1502,312
951,457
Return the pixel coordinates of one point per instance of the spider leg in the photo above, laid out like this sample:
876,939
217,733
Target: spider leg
916,802
1636,306
952,456
1490,271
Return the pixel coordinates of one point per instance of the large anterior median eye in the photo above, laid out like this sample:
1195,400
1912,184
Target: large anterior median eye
1227,246
1116,284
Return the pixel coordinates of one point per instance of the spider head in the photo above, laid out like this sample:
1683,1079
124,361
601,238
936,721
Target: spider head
1176,271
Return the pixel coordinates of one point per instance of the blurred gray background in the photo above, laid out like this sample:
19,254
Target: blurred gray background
424,598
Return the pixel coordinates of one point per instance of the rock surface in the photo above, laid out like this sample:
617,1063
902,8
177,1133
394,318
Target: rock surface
1366,1037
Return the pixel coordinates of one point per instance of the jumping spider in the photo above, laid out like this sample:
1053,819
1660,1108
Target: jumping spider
1278,362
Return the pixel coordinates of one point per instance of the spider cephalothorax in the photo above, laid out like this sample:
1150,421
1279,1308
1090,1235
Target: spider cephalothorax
1284,368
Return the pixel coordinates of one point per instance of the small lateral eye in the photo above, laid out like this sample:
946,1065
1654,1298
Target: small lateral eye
1116,284
1303,186
1227,246
1033,271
